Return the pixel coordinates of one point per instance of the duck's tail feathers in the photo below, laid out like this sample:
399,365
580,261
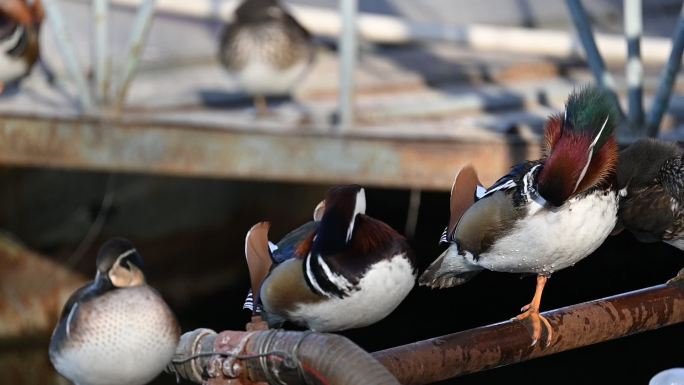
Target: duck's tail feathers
449,269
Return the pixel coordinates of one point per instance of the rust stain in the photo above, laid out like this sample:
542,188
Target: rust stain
235,343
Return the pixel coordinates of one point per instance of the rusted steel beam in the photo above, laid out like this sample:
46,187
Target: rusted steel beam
508,342
294,155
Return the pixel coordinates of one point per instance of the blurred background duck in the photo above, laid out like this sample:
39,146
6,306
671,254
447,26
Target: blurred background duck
266,50
116,330
343,270
19,49
651,178
545,215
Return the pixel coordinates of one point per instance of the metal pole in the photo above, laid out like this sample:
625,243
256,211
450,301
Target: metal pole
348,56
508,342
662,96
99,49
141,28
66,46
594,59
634,69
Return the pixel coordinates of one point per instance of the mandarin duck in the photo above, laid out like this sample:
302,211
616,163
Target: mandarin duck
266,50
545,215
19,27
345,270
651,177
116,330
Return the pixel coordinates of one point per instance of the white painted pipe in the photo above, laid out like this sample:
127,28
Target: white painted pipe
66,47
99,50
348,54
141,28
394,30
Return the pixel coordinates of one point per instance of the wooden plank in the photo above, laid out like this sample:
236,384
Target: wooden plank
293,155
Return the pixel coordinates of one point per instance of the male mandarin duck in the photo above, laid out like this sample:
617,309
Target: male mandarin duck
651,177
266,49
545,215
345,270
116,330
19,27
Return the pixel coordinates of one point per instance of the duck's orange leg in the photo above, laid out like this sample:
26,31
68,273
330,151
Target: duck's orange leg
531,313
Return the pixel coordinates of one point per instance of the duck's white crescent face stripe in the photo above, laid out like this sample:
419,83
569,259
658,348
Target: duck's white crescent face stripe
359,208
591,154
125,276
124,255
599,133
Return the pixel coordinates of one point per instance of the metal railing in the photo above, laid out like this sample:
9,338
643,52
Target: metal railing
98,95
452,355
95,96
633,22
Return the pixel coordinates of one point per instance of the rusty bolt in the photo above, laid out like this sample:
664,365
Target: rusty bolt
231,368
214,367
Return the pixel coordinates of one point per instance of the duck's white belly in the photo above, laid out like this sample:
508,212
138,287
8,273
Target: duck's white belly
380,291
259,77
123,339
552,240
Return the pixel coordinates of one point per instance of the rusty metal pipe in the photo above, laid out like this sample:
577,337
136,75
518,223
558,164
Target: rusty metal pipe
276,357
505,343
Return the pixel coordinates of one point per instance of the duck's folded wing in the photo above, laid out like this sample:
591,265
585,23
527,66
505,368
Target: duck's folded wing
287,247
646,212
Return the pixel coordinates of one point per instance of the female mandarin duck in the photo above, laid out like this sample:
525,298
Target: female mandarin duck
266,49
19,26
651,175
116,330
345,270
545,215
